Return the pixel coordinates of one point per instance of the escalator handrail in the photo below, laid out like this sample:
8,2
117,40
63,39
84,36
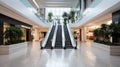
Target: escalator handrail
46,37
71,37
63,36
54,36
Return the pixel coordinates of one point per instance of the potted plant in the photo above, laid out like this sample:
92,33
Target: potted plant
13,41
103,36
115,33
50,14
13,35
65,16
72,16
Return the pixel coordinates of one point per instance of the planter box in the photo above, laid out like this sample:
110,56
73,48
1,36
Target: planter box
9,49
113,50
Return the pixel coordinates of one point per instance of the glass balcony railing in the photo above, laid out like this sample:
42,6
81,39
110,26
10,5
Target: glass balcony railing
87,11
31,8
95,3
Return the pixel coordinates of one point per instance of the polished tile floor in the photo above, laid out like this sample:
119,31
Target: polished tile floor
84,56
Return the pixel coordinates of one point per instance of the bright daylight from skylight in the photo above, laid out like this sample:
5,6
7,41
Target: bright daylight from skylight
57,12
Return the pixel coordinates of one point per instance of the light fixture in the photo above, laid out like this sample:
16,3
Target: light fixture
109,22
36,3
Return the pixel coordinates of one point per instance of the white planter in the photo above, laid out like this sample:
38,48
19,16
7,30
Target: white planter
9,49
101,46
113,50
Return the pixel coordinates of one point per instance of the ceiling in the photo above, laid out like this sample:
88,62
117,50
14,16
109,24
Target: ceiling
26,15
55,3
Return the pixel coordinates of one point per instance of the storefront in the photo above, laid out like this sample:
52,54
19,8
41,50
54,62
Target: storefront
6,22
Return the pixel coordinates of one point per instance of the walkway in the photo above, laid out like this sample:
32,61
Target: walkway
84,56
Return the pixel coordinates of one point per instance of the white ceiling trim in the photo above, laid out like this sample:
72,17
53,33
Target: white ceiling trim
57,2
57,6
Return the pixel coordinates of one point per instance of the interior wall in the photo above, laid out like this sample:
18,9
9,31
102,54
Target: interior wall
37,33
116,17
89,26
116,20
1,33
9,12
6,21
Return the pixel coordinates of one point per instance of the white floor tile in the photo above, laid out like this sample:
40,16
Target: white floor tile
85,56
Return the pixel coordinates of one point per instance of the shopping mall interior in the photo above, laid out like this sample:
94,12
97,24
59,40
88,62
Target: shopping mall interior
59,33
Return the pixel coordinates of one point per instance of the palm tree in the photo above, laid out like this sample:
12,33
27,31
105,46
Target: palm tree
72,15
69,17
65,16
50,14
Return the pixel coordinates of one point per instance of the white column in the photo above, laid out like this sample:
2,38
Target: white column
83,33
82,6
36,34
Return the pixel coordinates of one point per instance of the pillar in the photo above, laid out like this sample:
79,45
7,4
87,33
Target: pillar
83,34
1,32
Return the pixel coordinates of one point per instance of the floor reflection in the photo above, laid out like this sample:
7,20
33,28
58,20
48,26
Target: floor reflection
56,57
84,56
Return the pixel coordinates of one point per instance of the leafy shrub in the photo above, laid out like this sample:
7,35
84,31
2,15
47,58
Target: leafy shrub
13,35
14,42
103,34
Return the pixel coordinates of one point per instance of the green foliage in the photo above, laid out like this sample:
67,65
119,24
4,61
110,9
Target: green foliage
96,33
13,35
65,16
58,21
115,30
50,16
14,42
69,16
115,33
72,16
104,33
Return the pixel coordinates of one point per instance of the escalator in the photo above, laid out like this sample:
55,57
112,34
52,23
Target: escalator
68,43
49,41
58,42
